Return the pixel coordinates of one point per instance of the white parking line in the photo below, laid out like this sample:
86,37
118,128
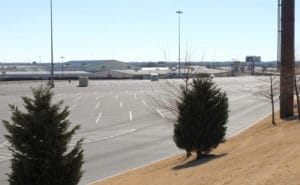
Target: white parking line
59,97
5,153
130,115
121,104
72,107
77,99
126,92
145,103
159,112
3,144
5,158
57,100
100,136
98,118
117,97
97,105
97,98
135,95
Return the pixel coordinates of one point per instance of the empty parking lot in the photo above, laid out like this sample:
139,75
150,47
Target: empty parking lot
122,126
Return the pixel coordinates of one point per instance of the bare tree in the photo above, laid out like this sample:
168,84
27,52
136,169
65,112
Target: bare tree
297,95
268,90
167,100
296,86
167,94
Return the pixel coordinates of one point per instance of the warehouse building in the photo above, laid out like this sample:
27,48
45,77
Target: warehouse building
94,65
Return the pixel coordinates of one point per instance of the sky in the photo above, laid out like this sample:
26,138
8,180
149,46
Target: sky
140,30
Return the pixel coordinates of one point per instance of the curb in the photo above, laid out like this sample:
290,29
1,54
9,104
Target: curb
133,169
136,168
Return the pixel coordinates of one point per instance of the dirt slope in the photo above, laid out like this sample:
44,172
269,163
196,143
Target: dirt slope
261,155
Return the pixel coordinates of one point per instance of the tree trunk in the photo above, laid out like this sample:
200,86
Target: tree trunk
188,154
297,96
287,59
273,114
199,154
272,100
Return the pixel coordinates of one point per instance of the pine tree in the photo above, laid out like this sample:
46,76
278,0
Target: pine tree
203,114
39,139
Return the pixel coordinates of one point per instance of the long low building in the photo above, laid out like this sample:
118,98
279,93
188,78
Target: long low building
163,73
41,75
144,73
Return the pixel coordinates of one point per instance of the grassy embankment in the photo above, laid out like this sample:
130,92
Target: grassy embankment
262,155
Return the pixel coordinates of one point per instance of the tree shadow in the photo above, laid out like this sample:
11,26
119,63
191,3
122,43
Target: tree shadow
196,162
291,118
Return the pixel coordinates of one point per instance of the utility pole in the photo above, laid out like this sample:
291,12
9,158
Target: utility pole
62,66
287,67
253,67
179,12
279,35
51,30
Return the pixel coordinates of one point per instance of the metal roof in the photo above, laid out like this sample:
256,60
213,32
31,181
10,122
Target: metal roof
42,72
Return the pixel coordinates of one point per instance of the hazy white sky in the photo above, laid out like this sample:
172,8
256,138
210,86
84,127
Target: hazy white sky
139,30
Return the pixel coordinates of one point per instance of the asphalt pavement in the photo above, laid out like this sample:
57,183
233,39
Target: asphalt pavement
122,125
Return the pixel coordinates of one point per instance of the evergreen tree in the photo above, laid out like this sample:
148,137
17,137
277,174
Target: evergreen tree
203,114
39,139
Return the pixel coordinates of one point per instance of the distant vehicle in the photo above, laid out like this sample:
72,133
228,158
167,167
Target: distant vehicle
83,81
154,77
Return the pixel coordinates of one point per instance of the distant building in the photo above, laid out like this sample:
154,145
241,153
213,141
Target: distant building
41,75
98,65
253,59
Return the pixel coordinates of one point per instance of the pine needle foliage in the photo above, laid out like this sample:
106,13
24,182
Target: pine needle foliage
203,114
39,141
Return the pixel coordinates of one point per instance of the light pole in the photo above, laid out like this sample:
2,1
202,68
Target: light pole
179,12
51,30
62,66
279,35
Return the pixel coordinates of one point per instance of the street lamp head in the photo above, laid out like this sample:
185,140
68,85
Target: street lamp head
179,12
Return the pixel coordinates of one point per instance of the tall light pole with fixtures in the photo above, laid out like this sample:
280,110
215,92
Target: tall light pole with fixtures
62,66
179,12
51,30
